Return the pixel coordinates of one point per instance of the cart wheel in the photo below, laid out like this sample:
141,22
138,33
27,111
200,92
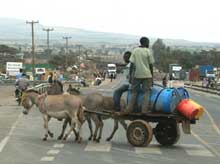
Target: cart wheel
139,133
167,133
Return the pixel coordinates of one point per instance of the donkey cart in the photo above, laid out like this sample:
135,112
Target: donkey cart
140,131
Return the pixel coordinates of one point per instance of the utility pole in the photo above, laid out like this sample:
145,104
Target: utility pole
66,38
86,53
79,51
33,46
48,42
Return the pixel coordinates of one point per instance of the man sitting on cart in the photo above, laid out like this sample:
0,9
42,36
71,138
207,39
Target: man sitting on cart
142,64
124,87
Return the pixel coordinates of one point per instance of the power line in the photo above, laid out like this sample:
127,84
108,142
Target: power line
48,42
33,46
66,38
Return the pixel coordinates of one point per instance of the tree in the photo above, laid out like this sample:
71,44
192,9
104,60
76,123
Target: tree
7,49
57,60
158,49
60,60
161,53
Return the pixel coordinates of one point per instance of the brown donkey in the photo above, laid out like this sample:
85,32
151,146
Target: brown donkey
98,102
56,106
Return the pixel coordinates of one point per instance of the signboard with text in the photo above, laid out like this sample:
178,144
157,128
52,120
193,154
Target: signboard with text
176,68
12,68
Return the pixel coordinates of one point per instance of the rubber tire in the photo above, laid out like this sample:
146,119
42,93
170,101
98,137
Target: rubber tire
147,133
167,133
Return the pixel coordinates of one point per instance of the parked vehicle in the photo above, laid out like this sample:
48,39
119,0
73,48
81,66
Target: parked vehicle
206,71
112,70
175,71
194,74
3,76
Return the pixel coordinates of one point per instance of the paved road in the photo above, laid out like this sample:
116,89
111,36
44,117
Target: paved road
20,138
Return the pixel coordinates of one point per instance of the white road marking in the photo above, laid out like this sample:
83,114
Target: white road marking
6,139
131,153
148,150
206,144
197,150
190,149
98,147
53,152
3,143
58,145
202,153
191,146
213,122
47,159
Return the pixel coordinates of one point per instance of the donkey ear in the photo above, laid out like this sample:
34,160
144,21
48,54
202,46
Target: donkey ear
24,93
23,96
39,96
42,96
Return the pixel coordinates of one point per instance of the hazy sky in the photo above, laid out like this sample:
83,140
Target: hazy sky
195,20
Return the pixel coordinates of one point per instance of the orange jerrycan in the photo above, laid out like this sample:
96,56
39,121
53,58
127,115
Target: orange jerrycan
188,109
200,109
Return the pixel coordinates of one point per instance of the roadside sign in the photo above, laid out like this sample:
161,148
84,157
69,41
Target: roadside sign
176,68
40,71
12,68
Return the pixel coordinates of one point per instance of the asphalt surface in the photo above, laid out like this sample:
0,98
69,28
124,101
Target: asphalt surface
21,138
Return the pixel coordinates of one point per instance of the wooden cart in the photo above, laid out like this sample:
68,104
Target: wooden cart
140,132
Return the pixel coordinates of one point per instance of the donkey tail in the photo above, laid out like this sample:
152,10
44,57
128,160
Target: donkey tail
80,113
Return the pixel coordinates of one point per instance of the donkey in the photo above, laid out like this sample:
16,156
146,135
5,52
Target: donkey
98,102
55,88
56,106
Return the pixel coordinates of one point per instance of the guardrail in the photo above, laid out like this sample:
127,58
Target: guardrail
38,82
203,89
41,88
10,82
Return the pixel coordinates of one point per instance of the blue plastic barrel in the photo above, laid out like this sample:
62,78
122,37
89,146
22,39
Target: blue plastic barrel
162,100
167,100
183,93
154,92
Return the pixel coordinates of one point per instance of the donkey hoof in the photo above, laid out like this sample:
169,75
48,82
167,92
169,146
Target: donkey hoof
65,137
44,139
60,137
51,135
64,141
76,139
90,138
79,140
97,140
108,139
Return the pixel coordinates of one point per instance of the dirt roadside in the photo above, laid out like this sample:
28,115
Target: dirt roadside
7,95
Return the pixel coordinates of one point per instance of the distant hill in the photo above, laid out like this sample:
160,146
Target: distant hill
16,30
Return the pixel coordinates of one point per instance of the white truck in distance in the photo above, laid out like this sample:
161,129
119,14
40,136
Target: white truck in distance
111,70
